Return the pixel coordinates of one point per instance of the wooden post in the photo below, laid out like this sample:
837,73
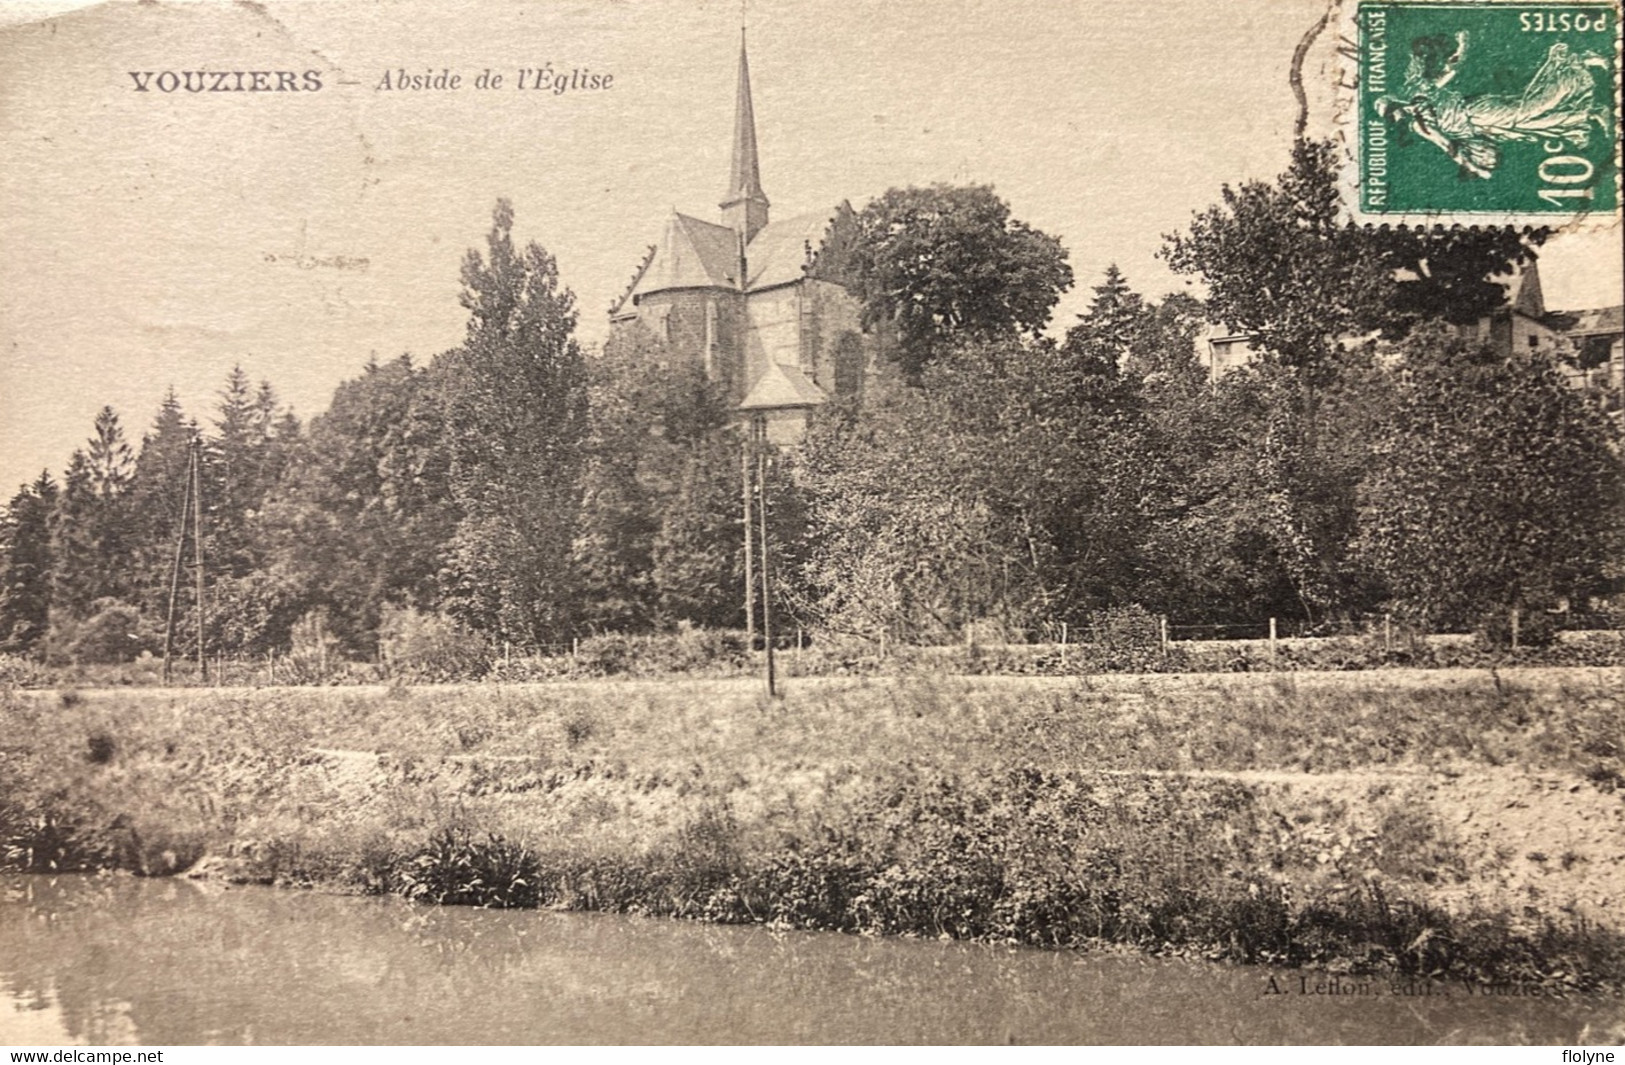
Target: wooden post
175,570
1063,645
1514,628
575,647
1388,634
1162,632
197,550
750,547
767,590
1272,639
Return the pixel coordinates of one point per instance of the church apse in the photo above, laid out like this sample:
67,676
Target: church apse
757,302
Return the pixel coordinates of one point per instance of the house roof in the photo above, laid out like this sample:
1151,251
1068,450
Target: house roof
782,386
1600,321
691,254
1523,290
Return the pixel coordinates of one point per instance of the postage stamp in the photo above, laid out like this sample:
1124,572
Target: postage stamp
1483,112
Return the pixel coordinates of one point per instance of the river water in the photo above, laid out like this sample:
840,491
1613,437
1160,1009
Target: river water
115,959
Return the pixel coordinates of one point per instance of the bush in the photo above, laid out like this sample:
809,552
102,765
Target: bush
1123,639
690,650
114,633
19,672
1536,629
431,648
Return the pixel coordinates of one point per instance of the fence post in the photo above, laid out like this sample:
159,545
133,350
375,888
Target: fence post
1272,640
1514,628
1162,633
1388,634
1063,645
575,647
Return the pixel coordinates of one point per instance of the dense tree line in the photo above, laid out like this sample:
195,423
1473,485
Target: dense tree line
1372,458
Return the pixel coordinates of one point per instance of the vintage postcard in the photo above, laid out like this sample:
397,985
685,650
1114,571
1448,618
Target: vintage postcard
811,522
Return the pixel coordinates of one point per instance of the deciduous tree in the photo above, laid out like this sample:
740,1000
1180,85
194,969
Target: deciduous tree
514,399
1495,485
948,262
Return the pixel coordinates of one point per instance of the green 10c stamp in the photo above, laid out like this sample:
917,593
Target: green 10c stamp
1485,112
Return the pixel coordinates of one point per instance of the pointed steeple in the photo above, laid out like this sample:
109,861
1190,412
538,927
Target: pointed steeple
744,208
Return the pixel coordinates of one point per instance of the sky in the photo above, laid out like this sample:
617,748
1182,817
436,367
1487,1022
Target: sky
151,241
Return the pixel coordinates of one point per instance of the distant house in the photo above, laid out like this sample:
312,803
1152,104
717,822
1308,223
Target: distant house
1221,349
1521,324
749,300
1596,356
1587,344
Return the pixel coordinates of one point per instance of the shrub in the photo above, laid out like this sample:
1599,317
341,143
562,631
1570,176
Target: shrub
1536,629
19,672
428,647
457,870
688,650
114,633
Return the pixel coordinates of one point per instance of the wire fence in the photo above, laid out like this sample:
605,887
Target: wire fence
1150,640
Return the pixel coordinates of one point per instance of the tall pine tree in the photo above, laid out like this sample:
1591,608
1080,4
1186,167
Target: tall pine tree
25,566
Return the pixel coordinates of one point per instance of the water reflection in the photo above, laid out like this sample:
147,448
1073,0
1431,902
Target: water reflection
118,960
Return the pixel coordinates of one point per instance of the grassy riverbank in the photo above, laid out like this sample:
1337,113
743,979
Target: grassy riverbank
1452,823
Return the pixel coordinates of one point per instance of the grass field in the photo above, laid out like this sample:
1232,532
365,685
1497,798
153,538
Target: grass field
1447,822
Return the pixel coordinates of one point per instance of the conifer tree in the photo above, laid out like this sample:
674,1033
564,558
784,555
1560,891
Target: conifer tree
25,566
157,491
89,527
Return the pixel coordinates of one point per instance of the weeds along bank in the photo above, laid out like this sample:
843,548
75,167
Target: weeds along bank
1469,824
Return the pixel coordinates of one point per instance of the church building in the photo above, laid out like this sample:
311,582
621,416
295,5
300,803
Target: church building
749,298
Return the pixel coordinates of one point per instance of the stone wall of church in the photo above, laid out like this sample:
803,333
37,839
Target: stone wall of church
773,329
812,325
704,325
835,352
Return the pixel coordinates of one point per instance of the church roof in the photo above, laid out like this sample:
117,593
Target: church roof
780,252
691,254
782,386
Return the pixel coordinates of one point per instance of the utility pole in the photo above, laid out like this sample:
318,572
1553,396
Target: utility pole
767,592
175,568
750,546
197,549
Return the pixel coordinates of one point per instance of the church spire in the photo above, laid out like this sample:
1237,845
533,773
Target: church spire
744,208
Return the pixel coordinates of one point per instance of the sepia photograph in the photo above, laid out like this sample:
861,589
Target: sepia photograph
808,522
